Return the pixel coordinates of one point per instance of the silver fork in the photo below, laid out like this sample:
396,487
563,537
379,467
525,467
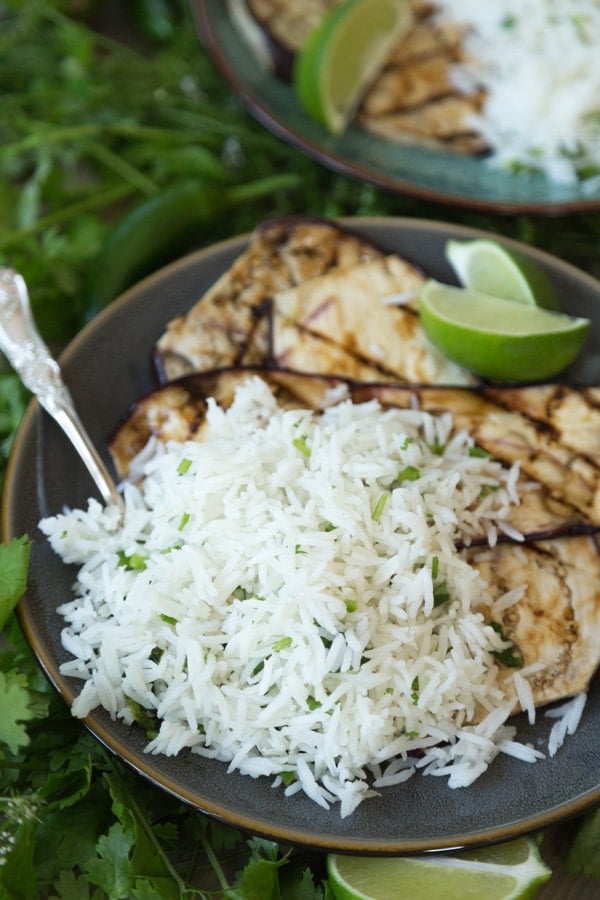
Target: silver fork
29,356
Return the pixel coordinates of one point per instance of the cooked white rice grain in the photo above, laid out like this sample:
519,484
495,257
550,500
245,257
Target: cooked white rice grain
568,716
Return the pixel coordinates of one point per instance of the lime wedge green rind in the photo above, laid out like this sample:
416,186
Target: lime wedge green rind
487,266
343,54
311,59
516,874
498,339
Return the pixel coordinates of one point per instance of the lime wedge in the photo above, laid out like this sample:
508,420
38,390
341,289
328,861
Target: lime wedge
484,265
512,871
344,53
502,340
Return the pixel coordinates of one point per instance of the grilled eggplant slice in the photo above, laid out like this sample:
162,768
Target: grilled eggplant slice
555,626
439,122
556,623
176,411
573,416
503,429
415,100
297,348
230,324
354,309
311,296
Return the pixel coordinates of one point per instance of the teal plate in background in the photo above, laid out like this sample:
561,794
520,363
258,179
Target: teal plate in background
432,175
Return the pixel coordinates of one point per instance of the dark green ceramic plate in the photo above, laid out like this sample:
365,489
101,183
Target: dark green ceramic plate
415,171
108,367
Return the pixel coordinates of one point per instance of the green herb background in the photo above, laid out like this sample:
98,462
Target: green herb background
121,148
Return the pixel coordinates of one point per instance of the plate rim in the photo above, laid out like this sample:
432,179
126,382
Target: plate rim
142,764
262,113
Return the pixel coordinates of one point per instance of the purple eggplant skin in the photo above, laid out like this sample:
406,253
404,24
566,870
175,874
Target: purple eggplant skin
282,57
275,30
269,51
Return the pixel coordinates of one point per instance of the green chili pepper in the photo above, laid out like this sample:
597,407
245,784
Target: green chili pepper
158,229
146,236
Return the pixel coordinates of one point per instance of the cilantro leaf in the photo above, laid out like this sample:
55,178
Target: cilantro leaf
131,861
17,874
66,839
13,400
70,886
259,877
69,785
510,656
151,889
14,563
583,855
14,710
298,882
111,869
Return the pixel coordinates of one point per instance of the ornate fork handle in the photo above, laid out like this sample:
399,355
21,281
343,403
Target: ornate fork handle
40,373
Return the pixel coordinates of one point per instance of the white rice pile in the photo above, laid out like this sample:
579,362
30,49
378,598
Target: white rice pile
539,62
286,596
